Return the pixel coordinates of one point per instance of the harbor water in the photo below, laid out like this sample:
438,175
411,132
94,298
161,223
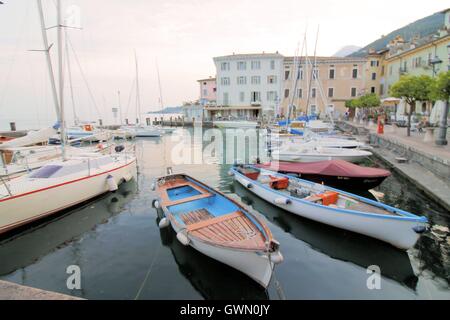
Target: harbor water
122,254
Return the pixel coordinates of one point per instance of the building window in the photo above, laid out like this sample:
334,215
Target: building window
382,70
374,76
353,92
330,92
271,79
271,95
205,92
286,74
256,80
372,89
255,96
225,99
214,89
241,65
355,73
300,73
381,89
241,96
331,74
299,93
241,80
225,81
286,93
313,109
315,73
313,92
256,65
225,66
272,64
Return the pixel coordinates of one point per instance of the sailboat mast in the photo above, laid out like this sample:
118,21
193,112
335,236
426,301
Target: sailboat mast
160,90
61,79
49,60
120,107
138,99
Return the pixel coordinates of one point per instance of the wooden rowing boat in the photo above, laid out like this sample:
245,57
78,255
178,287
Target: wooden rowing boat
217,226
332,206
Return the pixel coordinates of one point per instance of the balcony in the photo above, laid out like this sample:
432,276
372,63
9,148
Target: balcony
255,103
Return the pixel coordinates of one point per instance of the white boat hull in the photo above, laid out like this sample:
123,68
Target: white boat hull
32,205
256,266
235,124
298,157
391,229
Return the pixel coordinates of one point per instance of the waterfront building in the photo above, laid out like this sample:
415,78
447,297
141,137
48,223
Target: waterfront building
208,91
420,56
335,80
248,86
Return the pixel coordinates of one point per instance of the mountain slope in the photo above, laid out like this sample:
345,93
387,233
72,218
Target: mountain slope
345,51
423,27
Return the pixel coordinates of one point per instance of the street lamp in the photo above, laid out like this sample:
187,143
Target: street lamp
442,136
434,61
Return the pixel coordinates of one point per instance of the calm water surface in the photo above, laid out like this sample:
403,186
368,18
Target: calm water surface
123,254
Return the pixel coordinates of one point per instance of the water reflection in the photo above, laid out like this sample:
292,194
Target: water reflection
212,279
337,243
22,249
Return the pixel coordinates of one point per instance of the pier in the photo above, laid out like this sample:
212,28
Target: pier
427,166
14,291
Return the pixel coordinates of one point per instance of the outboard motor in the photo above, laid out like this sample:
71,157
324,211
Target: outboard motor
119,148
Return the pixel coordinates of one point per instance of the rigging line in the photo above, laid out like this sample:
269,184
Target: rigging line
313,75
148,273
160,89
14,55
130,96
91,95
69,71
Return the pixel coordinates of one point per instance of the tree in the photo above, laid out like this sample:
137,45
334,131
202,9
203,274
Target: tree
370,100
440,90
412,89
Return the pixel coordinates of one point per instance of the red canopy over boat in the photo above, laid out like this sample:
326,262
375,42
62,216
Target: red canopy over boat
328,168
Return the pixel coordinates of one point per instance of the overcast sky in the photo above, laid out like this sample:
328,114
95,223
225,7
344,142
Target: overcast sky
181,36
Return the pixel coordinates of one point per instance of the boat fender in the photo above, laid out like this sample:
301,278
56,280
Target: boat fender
163,223
127,177
153,186
230,173
276,257
249,185
111,183
419,229
281,200
155,204
183,238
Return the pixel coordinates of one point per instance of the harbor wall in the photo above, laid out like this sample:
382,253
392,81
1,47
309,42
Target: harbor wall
14,291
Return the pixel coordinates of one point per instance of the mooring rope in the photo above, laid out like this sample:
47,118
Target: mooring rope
148,273
279,289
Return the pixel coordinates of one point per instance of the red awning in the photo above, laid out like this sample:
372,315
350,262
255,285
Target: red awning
328,168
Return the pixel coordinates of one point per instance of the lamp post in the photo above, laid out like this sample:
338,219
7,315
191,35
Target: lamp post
442,136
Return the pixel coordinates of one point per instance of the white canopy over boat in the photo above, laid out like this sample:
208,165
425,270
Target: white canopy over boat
33,137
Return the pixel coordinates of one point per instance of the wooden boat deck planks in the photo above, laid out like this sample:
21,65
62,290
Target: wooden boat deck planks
232,229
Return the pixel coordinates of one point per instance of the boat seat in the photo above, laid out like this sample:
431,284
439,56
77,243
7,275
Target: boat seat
196,216
327,198
278,182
